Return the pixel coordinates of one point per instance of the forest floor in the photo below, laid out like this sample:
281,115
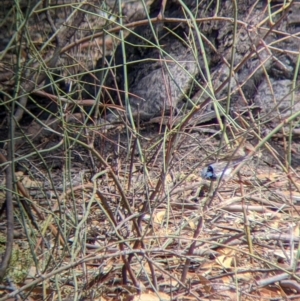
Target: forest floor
114,212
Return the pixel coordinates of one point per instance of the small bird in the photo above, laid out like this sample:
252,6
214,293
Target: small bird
223,169
228,161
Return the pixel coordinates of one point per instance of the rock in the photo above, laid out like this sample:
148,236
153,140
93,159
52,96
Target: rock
160,68
275,103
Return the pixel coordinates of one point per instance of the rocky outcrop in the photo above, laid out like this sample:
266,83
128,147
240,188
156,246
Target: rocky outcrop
187,54
167,69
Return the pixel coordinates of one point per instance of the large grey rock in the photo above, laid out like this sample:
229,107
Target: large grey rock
155,66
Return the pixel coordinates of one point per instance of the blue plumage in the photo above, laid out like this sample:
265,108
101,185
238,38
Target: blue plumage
223,169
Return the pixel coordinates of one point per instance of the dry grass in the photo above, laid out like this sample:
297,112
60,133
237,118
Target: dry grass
121,212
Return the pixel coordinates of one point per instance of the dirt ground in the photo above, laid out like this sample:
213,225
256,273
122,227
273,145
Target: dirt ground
111,205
